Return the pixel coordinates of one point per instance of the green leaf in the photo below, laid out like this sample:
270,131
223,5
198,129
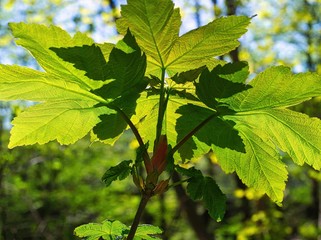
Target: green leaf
216,131
147,232
145,118
127,65
292,132
79,88
87,58
206,189
107,230
263,126
276,87
189,172
217,83
260,166
155,24
198,47
65,121
126,68
120,172
27,84
38,39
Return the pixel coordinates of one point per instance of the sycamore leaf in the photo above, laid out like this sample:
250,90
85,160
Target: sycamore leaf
106,230
147,232
197,47
87,58
217,131
261,126
70,102
27,84
120,171
64,121
155,24
292,132
276,87
38,39
127,67
206,189
221,83
266,129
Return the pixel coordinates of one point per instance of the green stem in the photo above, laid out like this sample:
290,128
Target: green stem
191,133
178,183
146,157
143,202
161,108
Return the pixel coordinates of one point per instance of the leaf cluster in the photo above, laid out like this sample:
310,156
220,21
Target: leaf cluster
157,82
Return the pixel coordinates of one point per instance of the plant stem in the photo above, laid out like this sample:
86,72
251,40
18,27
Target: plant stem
143,202
178,183
191,133
161,108
146,157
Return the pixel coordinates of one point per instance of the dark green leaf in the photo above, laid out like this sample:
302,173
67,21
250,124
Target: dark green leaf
189,172
120,172
205,189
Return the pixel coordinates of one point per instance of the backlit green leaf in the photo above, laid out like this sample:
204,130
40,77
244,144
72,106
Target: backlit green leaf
198,47
147,232
276,87
79,88
106,230
155,24
260,166
64,121
38,39
221,83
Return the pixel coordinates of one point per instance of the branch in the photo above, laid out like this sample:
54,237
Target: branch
146,157
191,133
140,210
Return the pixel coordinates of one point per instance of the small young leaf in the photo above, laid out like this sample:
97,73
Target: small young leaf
120,172
147,232
106,230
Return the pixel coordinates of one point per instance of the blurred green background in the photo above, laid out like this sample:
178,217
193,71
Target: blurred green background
48,190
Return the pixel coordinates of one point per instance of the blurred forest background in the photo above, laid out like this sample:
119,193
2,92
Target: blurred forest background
46,191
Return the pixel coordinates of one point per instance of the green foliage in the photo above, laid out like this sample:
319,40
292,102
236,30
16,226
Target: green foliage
115,230
121,171
206,189
164,86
